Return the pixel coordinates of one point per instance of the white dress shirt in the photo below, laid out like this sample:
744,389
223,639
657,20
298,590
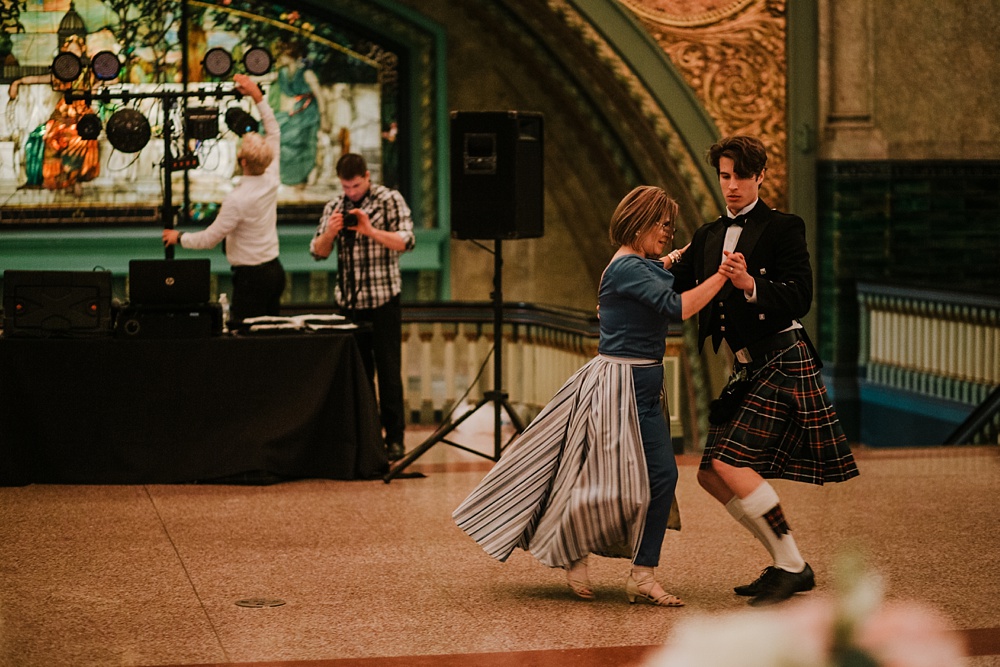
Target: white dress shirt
248,217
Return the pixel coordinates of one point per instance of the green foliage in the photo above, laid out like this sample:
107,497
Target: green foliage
146,24
10,16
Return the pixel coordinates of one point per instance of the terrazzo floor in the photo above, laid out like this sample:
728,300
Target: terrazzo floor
320,573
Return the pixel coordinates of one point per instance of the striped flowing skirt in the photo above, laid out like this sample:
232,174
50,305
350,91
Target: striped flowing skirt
574,482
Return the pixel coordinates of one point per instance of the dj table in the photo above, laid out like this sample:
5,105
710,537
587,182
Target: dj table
231,408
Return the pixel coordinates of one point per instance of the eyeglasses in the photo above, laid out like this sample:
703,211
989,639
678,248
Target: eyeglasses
667,227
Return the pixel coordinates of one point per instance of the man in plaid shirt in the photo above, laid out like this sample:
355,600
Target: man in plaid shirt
371,227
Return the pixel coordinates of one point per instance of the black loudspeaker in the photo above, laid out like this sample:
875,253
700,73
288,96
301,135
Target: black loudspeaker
56,303
496,175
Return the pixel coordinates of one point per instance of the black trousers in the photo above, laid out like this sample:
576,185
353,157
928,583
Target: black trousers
382,350
257,290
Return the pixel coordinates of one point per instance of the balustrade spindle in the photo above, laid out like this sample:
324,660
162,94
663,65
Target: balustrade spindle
932,343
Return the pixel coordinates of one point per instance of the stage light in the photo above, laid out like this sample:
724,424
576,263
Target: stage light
67,67
105,66
128,131
257,61
89,127
240,122
218,62
202,123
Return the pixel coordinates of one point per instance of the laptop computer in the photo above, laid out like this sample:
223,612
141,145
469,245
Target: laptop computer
169,282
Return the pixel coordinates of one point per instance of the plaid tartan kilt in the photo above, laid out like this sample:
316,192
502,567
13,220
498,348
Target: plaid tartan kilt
785,427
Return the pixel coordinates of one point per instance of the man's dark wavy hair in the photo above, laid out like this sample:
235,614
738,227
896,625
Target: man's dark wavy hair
351,165
747,153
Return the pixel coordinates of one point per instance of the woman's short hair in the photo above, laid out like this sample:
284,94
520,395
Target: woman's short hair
747,153
641,210
256,154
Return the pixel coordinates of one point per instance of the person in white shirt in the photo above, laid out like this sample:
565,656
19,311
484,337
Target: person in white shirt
247,219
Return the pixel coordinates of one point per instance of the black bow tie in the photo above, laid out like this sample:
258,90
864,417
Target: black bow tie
738,220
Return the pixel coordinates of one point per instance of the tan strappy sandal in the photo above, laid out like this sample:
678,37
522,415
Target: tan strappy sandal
639,587
579,582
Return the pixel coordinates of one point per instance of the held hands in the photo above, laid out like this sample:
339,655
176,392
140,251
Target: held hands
734,267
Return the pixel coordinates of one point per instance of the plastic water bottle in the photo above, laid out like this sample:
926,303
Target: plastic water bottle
224,303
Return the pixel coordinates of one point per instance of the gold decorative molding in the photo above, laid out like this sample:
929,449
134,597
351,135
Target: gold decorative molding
684,162
733,55
672,13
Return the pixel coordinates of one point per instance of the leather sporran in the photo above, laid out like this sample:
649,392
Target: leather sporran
722,409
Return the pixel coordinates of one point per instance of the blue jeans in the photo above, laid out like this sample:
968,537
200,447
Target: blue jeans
660,462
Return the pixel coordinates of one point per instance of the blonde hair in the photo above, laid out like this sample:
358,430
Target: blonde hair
256,153
641,210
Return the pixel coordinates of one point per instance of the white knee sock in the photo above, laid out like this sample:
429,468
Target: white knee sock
762,508
735,509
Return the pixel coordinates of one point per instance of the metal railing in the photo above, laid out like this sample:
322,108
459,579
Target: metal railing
933,343
447,348
982,426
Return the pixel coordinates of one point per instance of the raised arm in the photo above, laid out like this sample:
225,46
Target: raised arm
699,296
247,86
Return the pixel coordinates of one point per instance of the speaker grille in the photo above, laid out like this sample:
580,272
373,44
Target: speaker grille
497,167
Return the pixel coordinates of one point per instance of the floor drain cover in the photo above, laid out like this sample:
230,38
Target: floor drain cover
259,603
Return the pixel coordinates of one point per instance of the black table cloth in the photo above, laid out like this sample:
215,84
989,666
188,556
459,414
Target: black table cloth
126,411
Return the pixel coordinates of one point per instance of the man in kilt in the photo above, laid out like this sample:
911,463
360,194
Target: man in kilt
774,419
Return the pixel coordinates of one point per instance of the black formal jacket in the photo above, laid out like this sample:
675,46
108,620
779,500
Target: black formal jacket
774,244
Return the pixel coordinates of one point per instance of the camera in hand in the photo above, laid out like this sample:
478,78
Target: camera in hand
350,220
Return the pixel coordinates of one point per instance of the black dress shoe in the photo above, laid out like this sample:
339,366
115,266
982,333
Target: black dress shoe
753,588
779,585
394,451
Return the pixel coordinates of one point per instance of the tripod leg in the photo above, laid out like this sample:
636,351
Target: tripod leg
440,434
515,418
496,395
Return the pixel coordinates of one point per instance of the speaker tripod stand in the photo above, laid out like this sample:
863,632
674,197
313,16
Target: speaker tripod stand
498,397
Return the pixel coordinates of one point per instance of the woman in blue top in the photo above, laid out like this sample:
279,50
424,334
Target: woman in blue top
595,471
